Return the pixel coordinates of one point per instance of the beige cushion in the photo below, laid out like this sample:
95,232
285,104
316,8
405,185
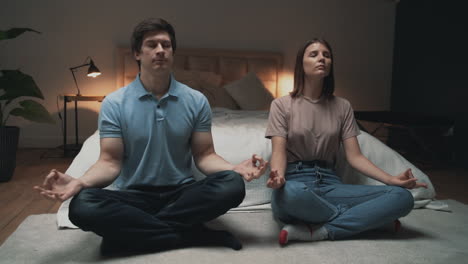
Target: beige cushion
208,83
220,98
250,93
187,78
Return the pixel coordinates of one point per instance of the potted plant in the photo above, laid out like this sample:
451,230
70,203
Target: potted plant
13,85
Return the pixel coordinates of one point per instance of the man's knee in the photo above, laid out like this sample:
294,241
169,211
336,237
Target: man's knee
81,211
230,188
235,188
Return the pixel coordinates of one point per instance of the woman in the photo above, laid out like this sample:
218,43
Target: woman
306,129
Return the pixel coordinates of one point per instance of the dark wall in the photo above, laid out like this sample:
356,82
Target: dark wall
430,66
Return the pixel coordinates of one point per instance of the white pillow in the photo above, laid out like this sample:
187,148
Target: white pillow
250,93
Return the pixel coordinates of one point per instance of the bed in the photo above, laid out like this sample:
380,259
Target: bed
239,86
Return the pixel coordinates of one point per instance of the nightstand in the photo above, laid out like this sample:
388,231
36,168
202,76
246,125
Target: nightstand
73,149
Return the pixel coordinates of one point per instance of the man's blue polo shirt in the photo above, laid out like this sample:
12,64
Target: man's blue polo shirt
156,133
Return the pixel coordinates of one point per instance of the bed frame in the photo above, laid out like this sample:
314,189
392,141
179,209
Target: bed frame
231,65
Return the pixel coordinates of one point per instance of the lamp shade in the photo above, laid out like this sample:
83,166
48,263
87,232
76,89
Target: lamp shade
93,71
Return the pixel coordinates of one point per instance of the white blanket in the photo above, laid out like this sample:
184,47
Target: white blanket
239,134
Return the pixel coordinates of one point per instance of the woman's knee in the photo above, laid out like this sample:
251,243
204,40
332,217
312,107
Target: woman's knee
404,199
279,208
291,193
297,201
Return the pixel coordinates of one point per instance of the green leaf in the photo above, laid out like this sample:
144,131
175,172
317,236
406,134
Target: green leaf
17,84
33,111
14,32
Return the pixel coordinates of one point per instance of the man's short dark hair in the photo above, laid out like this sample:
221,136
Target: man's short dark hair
149,25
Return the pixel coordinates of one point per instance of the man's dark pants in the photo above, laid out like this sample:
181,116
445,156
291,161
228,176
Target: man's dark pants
156,217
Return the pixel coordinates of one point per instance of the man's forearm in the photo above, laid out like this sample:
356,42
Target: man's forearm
101,174
212,163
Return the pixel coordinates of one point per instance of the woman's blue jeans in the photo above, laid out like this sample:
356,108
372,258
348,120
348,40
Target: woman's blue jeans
316,195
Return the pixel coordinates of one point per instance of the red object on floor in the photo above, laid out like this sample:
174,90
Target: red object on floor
283,237
397,226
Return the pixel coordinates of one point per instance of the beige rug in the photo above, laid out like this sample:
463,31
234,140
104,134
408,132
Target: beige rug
428,236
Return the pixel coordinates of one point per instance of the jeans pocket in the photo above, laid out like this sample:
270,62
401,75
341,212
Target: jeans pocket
323,190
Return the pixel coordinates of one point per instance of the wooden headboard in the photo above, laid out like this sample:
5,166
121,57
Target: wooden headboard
231,65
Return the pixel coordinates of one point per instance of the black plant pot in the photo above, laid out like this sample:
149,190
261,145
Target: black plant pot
8,145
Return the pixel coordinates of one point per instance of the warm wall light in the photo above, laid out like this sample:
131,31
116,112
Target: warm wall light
286,83
93,71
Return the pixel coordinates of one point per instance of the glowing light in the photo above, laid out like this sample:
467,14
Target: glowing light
285,84
94,74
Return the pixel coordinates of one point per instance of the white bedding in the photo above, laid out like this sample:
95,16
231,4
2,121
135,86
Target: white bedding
239,134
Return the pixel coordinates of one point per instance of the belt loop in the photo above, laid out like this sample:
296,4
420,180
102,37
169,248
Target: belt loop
299,165
317,171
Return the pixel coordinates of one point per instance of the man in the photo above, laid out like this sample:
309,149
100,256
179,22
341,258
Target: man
149,132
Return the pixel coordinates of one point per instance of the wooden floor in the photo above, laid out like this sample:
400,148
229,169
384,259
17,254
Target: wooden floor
17,197
18,200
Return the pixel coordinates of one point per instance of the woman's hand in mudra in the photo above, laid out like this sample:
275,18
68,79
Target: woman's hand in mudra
406,180
275,181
